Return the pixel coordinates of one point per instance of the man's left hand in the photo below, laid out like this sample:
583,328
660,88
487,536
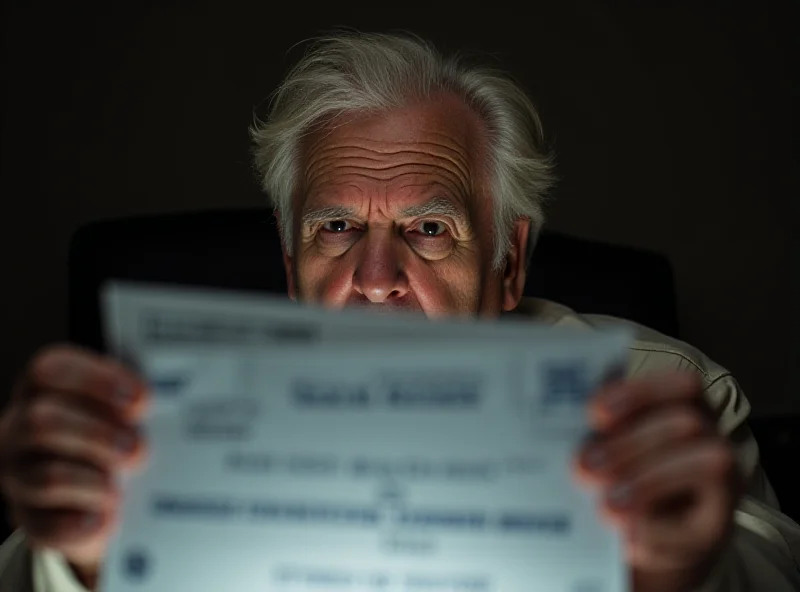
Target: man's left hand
667,478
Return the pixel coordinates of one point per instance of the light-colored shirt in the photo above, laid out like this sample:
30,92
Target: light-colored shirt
763,553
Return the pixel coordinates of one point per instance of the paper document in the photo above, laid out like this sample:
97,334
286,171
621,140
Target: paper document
298,450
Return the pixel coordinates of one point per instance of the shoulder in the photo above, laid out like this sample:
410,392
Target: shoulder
653,352
650,350
15,565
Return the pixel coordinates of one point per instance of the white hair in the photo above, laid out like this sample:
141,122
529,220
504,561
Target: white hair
353,72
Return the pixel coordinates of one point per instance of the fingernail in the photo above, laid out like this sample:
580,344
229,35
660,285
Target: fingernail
620,495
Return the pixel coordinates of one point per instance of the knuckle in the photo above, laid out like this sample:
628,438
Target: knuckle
686,423
40,414
100,434
52,476
49,361
101,445
101,379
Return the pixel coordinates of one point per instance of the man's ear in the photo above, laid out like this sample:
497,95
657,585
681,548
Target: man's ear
515,272
288,262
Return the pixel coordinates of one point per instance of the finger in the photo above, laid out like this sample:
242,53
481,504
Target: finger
617,402
58,424
62,528
77,371
53,483
681,541
671,488
605,460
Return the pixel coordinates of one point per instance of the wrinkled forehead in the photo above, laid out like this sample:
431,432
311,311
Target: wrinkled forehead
430,146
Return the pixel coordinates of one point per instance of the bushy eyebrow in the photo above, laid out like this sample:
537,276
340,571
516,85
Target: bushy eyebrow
438,206
324,214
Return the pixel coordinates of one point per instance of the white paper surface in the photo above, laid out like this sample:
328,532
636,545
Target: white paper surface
297,450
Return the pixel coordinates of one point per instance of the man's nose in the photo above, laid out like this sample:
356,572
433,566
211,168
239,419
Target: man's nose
379,275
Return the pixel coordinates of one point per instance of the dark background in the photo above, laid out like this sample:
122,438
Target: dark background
673,125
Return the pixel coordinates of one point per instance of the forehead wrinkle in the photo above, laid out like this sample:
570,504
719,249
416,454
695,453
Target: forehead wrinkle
327,174
437,189
359,164
459,158
438,206
425,149
325,165
325,159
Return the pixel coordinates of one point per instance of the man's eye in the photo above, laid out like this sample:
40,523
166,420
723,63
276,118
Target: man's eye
337,226
430,228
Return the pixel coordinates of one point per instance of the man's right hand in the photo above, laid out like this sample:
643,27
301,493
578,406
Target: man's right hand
69,429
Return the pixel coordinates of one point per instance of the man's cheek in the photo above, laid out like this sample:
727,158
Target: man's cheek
325,281
443,289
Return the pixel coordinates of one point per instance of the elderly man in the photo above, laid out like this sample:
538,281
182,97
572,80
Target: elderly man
404,180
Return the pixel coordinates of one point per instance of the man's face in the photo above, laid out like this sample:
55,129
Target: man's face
393,212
